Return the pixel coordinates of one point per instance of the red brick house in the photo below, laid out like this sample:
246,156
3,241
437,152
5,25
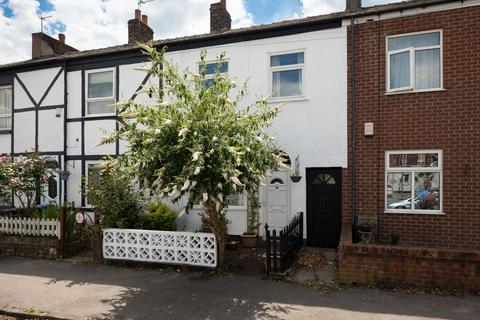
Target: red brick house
414,102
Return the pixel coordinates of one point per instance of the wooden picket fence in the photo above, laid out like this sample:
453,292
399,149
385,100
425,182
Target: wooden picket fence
30,227
282,248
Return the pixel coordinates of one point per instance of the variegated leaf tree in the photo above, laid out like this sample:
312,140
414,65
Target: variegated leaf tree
197,142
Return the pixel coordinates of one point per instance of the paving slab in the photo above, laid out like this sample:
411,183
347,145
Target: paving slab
87,291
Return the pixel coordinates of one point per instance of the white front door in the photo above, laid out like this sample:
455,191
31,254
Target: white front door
278,200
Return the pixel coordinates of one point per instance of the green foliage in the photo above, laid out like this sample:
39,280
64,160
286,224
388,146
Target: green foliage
197,141
114,199
159,217
25,178
50,212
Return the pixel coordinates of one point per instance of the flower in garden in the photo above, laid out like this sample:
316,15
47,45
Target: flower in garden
195,155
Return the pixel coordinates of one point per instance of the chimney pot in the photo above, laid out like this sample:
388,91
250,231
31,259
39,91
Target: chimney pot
61,37
138,14
353,4
138,29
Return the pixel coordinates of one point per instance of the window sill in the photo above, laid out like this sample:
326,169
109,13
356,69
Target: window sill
287,99
425,213
391,93
231,208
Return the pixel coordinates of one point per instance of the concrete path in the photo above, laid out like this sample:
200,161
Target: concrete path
93,291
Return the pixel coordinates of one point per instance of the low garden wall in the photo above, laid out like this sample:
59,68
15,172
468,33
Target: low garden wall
396,266
173,247
29,246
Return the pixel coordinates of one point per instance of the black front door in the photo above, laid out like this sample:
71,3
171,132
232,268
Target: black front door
324,189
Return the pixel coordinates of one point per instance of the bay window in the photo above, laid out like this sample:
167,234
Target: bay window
413,175
414,61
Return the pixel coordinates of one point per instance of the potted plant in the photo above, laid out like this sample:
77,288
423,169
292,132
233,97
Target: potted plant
366,229
64,174
249,238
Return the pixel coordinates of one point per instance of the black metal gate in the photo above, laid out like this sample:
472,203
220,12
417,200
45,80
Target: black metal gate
282,248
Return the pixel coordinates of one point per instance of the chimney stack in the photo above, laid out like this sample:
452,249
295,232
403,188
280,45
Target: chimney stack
44,45
138,29
220,19
353,4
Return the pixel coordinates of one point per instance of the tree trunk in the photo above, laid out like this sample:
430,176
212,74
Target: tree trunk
218,228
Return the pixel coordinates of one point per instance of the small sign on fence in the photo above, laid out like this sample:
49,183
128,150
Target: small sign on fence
80,218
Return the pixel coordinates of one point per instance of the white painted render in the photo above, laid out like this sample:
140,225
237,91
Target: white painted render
313,127
50,130
24,131
74,98
5,143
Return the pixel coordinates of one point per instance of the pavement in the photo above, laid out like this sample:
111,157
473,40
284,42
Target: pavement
88,291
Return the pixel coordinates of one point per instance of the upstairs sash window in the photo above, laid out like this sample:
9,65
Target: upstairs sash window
210,69
100,92
287,75
5,108
414,62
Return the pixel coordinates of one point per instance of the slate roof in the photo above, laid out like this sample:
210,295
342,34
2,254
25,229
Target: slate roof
320,19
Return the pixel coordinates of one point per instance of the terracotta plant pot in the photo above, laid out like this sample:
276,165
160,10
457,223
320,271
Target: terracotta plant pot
249,240
96,245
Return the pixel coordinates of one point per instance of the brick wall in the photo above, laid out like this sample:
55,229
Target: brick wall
25,246
139,32
448,120
391,266
220,20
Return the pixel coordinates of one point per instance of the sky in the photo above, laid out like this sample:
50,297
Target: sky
90,24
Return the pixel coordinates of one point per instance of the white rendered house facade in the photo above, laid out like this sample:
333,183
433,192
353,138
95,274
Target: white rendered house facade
60,106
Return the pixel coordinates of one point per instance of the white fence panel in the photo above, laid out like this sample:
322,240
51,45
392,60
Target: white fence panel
189,248
30,227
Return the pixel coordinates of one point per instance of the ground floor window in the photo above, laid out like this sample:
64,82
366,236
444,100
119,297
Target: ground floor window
413,175
93,175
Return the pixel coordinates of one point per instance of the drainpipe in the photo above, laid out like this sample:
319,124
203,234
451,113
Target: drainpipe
65,101
354,141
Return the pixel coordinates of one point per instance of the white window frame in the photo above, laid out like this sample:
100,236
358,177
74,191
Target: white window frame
298,66
212,75
87,99
10,115
87,167
412,51
412,171
230,208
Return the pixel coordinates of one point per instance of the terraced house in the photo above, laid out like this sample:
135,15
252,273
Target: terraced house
382,121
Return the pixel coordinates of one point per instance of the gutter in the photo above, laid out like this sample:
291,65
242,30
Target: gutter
354,141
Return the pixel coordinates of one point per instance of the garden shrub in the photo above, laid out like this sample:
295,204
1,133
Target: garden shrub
159,217
114,199
49,212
